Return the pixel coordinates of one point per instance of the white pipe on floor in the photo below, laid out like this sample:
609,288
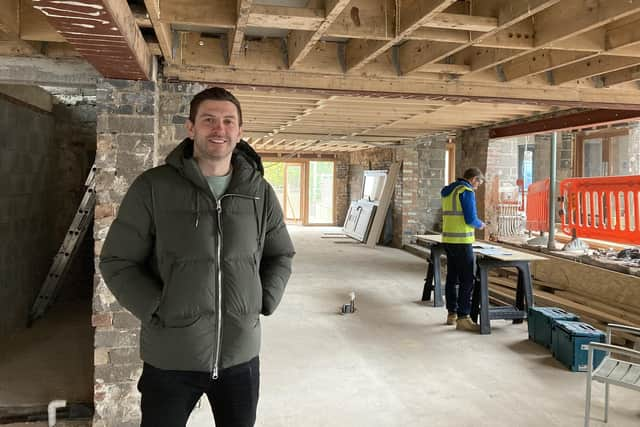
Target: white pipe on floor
53,405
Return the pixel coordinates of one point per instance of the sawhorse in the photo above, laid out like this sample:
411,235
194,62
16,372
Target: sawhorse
480,301
433,280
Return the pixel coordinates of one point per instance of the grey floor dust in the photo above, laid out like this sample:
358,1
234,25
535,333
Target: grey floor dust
395,363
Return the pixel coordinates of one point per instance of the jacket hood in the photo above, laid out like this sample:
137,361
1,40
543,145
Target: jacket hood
185,151
247,166
448,189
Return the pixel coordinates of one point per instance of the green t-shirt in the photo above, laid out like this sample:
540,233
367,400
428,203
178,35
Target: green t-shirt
219,184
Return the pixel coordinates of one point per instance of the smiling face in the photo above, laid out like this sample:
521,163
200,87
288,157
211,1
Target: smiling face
215,133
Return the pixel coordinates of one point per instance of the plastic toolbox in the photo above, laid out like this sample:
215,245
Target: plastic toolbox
540,320
569,343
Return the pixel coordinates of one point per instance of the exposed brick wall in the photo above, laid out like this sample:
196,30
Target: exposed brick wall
564,156
416,203
472,148
342,193
360,161
126,148
431,179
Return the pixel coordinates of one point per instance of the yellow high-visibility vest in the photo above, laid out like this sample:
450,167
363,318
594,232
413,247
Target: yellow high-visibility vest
454,229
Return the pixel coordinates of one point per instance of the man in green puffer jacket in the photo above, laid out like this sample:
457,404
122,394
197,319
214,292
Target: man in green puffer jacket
198,251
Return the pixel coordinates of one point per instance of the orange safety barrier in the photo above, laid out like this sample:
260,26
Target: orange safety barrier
604,208
537,208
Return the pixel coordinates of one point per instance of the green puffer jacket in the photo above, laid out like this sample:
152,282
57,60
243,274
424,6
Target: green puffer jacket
173,247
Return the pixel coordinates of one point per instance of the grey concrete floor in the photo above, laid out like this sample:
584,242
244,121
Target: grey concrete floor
51,360
394,362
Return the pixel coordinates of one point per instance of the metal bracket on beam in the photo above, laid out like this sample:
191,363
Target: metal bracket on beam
598,81
284,49
342,56
224,43
500,72
395,59
550,78
175,35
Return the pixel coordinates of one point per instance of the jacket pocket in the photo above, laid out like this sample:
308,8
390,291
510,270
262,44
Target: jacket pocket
187,293
189,347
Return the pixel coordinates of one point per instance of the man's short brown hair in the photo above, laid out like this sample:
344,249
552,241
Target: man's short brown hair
471,173
213,94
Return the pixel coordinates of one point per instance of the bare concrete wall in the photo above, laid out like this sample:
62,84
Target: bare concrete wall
44,158
26,166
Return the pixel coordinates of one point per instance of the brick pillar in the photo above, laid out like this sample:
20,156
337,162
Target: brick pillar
409,194
125,148
472,147
341,180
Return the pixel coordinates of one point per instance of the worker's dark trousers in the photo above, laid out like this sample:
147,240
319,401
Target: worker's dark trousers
169,396
459,272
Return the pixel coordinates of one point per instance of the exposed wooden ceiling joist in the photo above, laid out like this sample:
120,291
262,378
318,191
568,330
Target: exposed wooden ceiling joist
300,43
122,52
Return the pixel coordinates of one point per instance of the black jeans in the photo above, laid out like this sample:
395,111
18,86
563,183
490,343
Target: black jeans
459,272
168,397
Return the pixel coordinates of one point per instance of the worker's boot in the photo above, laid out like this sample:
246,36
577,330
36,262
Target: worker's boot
466,324
451,318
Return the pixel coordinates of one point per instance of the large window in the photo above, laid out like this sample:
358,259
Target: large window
304,189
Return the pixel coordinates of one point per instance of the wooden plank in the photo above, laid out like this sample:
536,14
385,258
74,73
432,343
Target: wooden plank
588,280
621,76
456,21
366,19
237,34
210,13
162,29
34,25
552,25
440,35
383,205
413,14
10,17
122,52
624,313
539,62
300,43
623,36
292,18
592,67
392,87
510,13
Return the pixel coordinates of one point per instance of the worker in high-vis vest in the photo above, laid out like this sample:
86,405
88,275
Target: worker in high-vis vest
459,222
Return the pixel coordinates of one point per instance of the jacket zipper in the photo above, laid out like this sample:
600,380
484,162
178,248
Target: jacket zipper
216,360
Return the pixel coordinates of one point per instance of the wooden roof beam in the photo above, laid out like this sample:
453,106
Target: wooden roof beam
621,76
551,25
236,35
10,17
162,29
412,14
111,20
553,30
539,62
485,91
210,13
300,43
413,55
592,67
292,18
456,21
